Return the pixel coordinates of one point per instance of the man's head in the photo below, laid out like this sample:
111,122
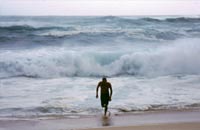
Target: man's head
104,79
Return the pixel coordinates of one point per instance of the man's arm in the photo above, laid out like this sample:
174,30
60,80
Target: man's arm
110,92
97,90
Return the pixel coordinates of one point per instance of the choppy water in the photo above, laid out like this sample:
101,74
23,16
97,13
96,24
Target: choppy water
51,65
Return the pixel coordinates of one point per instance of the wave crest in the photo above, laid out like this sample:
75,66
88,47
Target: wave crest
31,28
178,58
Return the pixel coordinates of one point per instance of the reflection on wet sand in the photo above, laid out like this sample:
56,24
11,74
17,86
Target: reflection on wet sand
106,121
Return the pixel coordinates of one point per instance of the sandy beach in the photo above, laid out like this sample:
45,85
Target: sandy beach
171,126
171,120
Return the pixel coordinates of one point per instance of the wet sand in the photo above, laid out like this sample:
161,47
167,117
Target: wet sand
170,120
171,126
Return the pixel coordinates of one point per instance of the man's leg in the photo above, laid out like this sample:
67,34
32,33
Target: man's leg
105,109
106,104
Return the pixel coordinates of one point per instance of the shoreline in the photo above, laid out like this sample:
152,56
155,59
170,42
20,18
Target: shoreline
77,116
100,122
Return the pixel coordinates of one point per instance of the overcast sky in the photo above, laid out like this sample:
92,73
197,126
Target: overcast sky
99,7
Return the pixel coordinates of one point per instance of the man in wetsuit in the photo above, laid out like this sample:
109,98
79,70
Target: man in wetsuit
105,93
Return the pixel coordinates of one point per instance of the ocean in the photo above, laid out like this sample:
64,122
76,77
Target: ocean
50,65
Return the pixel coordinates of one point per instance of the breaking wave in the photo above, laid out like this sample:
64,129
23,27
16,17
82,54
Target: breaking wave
59,36
171,59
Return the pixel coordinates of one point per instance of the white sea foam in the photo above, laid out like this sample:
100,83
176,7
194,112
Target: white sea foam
177,58
25,97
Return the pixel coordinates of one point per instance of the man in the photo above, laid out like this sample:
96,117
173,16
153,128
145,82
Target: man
105,94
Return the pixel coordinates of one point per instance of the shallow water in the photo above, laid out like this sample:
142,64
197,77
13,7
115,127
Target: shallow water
25,97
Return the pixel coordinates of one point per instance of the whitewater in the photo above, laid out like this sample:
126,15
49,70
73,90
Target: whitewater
50,66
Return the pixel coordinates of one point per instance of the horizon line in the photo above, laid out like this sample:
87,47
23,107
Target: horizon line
108,15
